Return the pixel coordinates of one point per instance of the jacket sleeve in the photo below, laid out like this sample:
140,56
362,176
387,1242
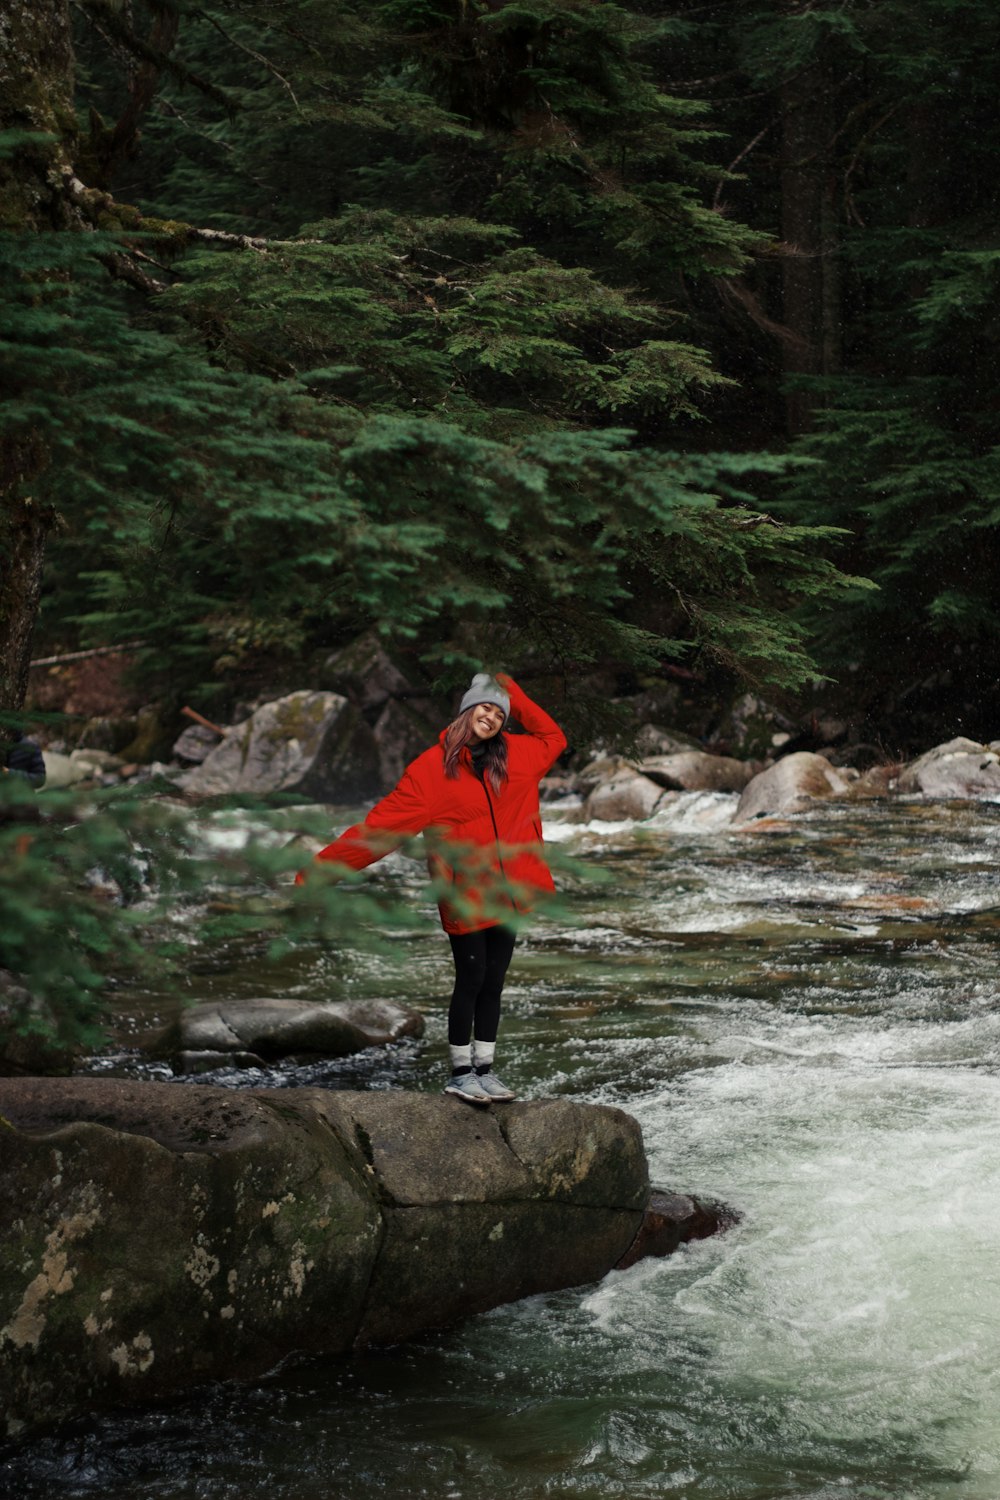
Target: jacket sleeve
549,740
400,815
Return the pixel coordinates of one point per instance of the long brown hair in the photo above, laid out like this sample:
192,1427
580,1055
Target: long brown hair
461,733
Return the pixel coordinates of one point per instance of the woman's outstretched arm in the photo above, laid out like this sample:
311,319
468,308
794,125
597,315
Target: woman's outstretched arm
399,816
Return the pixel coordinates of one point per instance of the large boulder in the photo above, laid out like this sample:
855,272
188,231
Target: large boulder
960,768
313,745
653,739
697,771
248,1033
159,1236
794,784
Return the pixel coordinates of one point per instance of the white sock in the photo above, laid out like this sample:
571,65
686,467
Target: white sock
461,1058
484,1055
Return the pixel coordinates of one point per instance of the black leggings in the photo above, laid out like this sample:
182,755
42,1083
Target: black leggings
481,960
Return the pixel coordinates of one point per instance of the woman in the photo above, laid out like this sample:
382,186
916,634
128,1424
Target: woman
476,795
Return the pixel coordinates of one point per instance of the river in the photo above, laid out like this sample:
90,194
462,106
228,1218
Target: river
805,1021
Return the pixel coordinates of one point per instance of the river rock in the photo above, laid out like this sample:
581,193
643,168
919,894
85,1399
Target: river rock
792,785
960,768
673,1219
313,745
195,744
248,1033
403,730
627,797
28,1033
62,770
367,675
158,1236
653,739
752,728
697,771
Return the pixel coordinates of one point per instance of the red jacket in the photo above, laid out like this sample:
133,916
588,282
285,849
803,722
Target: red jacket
486,845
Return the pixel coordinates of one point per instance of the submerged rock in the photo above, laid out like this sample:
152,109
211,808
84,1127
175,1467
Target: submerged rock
314,745
246,1033
159,1236
792,785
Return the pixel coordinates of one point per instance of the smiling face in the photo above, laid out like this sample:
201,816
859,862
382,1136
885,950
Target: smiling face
487,721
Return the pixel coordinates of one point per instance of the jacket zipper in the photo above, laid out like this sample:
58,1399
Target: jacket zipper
496,831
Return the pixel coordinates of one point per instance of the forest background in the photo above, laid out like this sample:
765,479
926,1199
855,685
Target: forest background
572,337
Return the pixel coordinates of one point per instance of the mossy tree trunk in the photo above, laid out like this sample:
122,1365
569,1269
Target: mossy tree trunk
37,122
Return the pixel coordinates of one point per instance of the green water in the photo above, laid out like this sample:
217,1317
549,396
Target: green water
806,1024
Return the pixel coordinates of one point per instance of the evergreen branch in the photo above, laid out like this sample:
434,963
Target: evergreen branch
257,56
121,31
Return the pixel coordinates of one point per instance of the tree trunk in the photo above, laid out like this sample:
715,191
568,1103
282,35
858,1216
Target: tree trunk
36,95
810,268
25,531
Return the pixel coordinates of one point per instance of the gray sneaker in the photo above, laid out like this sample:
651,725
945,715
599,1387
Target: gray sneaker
493,1088
467,1086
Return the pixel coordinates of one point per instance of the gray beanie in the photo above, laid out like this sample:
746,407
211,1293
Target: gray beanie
486,689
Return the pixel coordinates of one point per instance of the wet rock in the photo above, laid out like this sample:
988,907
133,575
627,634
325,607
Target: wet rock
313,745
697,771
243,1033
627,796
793,785
158,1236
960,768
672,1219
876,781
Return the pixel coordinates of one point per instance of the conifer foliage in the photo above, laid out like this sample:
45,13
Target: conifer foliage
337,319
